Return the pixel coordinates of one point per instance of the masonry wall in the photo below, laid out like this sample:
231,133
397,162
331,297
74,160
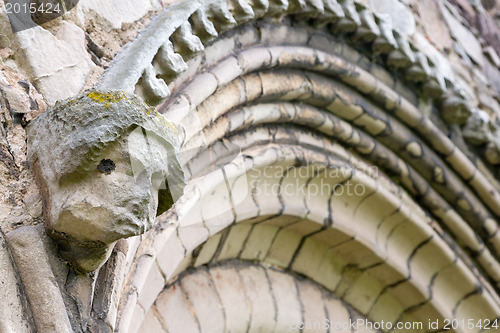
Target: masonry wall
43,65
68,55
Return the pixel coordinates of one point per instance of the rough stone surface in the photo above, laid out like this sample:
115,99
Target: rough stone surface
44,296
20,201
466,38
13,316
379,251
110,148
118,12
401,17
433,24
60,64
292,304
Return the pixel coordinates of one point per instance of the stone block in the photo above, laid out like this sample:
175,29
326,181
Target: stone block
136,319
13,318
143,264
330,237
386,308
337,313
175,310
155,282
355,253
60,64
363,293
234,242
287,299
387,226
451,285
226,71
400,246
423,268
385,274
220,49
259,293
192,236
372,211
254,58
208,250
427,312
464,36
258,243
170,256
283,248
151,323
125,315
309,258
203,297
325,43
313,308
274,34
39,283
117,12
108,286
478,307
200,88
229,286
408,294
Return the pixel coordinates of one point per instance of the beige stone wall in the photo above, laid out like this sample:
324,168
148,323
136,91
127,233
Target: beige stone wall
45,64
395,252
69,54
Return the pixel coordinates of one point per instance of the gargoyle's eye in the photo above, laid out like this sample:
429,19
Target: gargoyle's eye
106,166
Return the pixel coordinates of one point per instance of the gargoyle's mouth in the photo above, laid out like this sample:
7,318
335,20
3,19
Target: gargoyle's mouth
83,256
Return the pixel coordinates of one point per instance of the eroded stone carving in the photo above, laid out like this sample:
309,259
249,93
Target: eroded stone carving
105,163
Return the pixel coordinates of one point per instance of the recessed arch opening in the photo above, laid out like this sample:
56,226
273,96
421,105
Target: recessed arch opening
433,197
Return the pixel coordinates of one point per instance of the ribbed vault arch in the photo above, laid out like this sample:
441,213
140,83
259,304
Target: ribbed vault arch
294,98
245,297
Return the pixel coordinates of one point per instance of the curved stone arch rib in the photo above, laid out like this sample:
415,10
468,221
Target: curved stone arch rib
163,245
236,287
188,113
431,201
213,17
184,112
135,60
159,54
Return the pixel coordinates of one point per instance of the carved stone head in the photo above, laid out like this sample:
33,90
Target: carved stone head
106,164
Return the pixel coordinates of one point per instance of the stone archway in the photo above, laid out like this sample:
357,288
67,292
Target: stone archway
307,100
291,96
241,297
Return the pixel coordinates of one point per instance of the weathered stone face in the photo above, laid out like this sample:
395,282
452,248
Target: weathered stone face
100,178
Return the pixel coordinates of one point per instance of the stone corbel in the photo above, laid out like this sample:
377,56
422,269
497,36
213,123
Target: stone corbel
106,165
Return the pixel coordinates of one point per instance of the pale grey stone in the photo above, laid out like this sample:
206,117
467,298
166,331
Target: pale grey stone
103,161
60,64
402,17
492,55
442,66
117,12
463,36
13,316
129,65
477,129
44,296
